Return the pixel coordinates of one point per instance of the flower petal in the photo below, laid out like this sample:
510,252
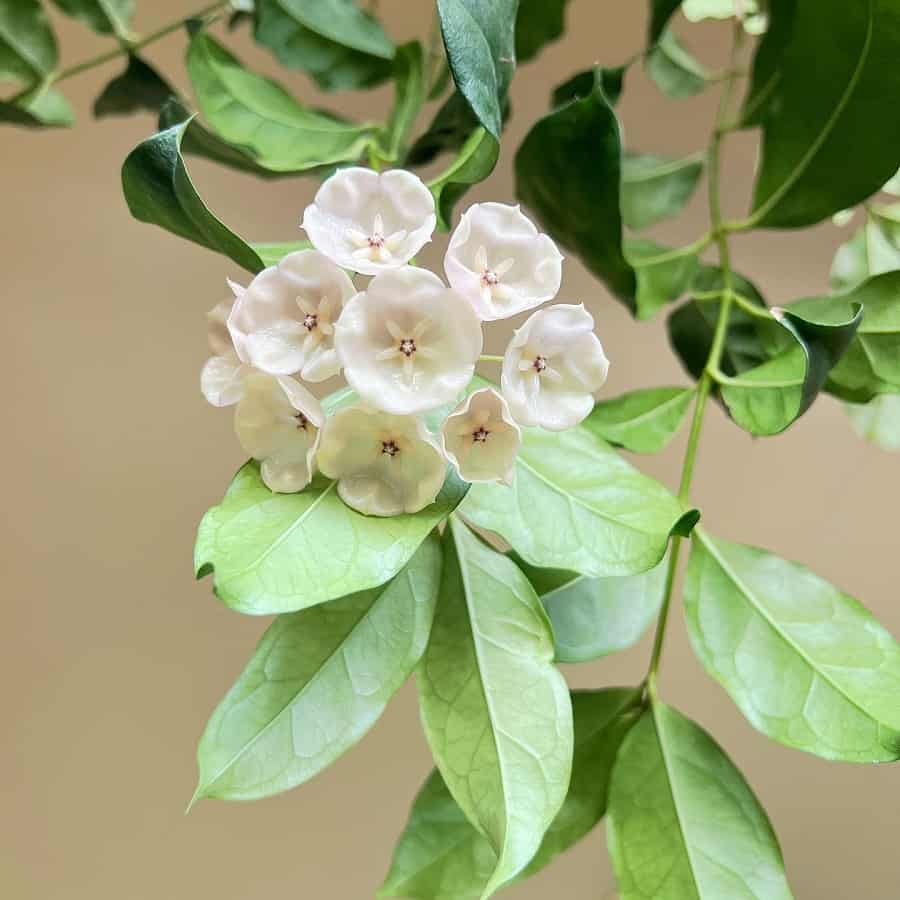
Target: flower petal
222,379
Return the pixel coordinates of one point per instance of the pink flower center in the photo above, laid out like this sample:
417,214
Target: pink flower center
376,240
539,364
489,278
310,321
407,347
390,448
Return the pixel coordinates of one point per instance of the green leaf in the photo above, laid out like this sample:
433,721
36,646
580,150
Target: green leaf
28,52
878,422
660,13
276,553
450,128
495,710
567,173
610,81
658,283
410,87
683,823
766,70
139,88
806,664
272,253
159,190
654,188
575,504
871,251
337,44
103,16
479,38
261,118
39,107
318,681
442,856
594,617
822,115
675,71
476,160
642,421
538,23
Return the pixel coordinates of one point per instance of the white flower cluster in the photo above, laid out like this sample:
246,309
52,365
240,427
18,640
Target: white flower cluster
406,343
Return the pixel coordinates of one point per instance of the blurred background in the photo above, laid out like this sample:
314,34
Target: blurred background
113,657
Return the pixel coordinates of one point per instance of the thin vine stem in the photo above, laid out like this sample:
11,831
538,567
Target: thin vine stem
487,357
719,235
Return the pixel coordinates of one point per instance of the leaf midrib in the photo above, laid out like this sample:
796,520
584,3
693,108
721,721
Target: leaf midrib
669,167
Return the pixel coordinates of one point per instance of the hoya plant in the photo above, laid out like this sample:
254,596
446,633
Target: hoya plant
469,519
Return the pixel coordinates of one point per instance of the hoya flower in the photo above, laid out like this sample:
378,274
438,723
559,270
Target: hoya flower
500,263
384,464
278,422
369,221
282,323
408,343
481,439
222,378
552,366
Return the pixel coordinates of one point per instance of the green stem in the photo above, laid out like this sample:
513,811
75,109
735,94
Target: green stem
132,46
704,388
486,357
693,249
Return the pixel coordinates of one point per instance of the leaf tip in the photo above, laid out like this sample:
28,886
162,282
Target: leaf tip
686,524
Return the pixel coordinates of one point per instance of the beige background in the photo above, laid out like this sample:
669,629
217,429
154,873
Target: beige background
113,657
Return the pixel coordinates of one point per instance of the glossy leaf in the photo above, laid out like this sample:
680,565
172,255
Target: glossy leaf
28,52
538,23
683,824
104,16
642,421
476,160
158,190
766,70
276,553
337,44
658,283
675,71
495,710
442,856
410,90
260,117
479,38
819,117
878,422
39,107
575,504
805,663
318,681
452,125
871,251
660,13
139,88
654,188
594,617
610,80
567,173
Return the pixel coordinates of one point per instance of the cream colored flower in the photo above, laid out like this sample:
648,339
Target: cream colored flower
748,11
282,323
408,343
552,366
384,464
222,378
499,262
278,422
370,222
481,439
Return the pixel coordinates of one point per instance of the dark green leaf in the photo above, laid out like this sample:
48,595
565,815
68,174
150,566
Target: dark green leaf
450,128
806,664
257,115
318,681
582,84
276,553
642,421
495,710
660,13
766,70
616,522
654,188
674,70
821,116
28,52
104,16
683,823
441,856
39,107
479,37
567,173
658,283
140,87
337,44
410,87
158,190
539,22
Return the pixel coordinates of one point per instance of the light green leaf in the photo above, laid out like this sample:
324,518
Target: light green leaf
318,681
260,117
658,283
642,421
28,52
675,71
476,160
158,190
878,421
869,252
334,41
410,87
496,712
139,88
479,38
567,173
892,186
277,553
660,13
820,116
683,824
698,10
38,107
594,617
575,504
272,253
654,188
442,856
538,23
104,16
806,664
